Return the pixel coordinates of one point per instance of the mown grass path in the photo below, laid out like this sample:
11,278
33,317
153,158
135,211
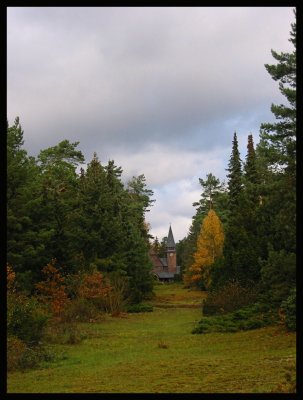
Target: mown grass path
122,355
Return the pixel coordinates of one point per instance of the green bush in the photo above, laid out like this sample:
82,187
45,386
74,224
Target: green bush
141,307
278,276
26,318
228,298
288,308
251,317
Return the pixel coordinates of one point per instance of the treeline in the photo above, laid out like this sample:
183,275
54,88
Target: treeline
88,221
77,247
252,259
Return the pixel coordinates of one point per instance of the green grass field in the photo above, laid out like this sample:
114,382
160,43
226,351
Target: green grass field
155,352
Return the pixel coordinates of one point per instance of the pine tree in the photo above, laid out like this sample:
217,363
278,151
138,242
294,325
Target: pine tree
57,167
278,139
277,150
213,196
26,242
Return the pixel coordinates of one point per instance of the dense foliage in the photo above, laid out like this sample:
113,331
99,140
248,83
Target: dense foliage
85,221
258,267
77,243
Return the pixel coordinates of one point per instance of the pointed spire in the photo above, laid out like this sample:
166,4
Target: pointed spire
170,238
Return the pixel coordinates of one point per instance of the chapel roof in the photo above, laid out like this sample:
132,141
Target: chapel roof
170,239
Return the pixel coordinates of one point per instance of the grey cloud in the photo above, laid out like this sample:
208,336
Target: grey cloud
123,81
136,75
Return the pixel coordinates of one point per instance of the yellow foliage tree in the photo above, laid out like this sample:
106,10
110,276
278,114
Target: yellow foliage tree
209,249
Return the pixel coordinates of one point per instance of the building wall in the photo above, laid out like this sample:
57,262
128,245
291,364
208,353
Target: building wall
172,261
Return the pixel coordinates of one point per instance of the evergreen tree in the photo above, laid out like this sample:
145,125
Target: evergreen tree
138,264
250,167
139,202
234,176
156,246
278,139
97,232
277,150
26,242
240,249
214,195
57,166
162,247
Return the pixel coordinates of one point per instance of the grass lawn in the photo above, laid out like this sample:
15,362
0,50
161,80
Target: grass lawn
155,352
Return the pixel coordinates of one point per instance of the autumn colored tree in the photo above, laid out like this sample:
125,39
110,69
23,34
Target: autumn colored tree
11,276
209,250
214,195
52,291
94,287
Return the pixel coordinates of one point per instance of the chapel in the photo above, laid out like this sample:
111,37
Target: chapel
165,269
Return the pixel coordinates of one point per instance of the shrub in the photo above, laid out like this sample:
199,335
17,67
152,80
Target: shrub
278,276
95,288
26,318
21,357
141,307
228,298
64,333
15,351
288,310
251,317
115,299
81,310
52,291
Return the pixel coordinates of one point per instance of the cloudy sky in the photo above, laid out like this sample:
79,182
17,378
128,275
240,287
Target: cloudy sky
158,90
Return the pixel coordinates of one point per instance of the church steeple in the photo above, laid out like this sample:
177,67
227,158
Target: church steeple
170,239
171,252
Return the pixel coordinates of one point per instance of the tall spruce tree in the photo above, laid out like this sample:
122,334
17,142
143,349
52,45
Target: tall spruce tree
277,149
250,167
26,240
240,253
234,176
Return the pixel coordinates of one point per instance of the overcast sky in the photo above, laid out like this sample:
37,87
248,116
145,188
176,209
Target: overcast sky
158,90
